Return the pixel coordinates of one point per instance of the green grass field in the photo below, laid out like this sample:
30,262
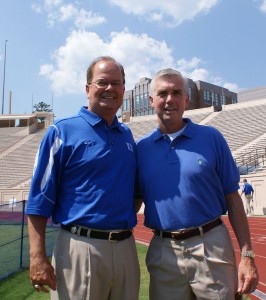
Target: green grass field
18,287
11,257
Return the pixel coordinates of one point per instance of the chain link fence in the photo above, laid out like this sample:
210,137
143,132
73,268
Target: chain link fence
14,239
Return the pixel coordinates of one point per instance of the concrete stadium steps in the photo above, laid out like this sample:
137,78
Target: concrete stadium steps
9,137
242,124
17,164
143,125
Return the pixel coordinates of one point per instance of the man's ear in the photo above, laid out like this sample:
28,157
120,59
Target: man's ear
87,88
151,101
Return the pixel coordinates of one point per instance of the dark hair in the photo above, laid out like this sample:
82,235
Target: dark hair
103,58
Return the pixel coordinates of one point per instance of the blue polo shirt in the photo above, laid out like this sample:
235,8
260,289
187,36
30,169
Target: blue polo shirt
184,182
85,173
247,189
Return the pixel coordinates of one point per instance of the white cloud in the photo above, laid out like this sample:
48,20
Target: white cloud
233,87
193,69
141,56
36,8
67,12
263,6
52,3
86,19
46,69
171,13
59,12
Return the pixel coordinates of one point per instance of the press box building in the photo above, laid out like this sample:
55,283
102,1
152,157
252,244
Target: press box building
201,94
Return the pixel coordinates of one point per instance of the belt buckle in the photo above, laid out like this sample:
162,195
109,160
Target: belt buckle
177,233
181,231
74,229
110,236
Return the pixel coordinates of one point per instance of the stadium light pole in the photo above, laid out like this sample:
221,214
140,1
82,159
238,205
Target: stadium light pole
4,79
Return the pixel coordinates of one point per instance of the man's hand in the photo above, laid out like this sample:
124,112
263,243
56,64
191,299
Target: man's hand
248,277
42,274
41,271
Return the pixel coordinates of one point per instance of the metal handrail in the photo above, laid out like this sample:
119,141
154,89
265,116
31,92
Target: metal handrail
251,161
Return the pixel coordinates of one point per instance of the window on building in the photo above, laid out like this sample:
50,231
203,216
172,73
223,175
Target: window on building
146,100
136,102
207,97
222,99
215,99
190,94
126,105
141,100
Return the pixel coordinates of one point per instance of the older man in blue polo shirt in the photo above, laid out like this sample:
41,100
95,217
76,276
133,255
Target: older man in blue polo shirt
84,177
188,179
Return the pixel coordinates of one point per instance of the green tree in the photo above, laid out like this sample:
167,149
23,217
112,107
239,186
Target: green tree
42,106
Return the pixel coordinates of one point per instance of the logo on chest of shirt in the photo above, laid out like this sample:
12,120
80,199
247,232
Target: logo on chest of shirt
129,147
89,144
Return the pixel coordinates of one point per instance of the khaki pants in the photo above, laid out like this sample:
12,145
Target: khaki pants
201,267
94,269
249,206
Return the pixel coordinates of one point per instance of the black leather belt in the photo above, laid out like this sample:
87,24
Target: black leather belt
113,236
188,233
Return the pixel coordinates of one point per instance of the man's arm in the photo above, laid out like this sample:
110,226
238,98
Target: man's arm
242,191
41,270
247,271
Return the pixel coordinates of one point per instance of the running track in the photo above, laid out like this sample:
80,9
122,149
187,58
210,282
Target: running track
258,236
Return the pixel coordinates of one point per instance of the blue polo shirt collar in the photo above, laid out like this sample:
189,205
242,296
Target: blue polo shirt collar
188,132
94,119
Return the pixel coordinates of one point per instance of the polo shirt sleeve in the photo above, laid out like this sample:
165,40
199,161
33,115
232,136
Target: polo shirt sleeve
46,174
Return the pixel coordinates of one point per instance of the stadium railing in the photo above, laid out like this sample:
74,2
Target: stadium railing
14,240
251,161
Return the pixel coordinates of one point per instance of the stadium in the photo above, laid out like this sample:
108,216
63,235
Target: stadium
242,124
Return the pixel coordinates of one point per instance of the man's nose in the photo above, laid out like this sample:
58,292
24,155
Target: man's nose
169,98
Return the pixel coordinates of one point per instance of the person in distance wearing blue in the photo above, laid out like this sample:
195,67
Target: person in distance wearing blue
248,190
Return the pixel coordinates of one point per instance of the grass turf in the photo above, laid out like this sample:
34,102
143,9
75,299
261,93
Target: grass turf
19,287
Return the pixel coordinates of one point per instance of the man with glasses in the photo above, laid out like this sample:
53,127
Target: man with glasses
84,178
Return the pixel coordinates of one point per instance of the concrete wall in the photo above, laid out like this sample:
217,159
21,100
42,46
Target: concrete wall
6,195
258,181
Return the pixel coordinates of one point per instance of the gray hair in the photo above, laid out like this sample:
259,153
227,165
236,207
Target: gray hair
167,73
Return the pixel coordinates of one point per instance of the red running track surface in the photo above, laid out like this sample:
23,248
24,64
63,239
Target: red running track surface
258,236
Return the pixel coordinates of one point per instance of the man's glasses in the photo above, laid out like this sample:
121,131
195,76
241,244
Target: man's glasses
103,84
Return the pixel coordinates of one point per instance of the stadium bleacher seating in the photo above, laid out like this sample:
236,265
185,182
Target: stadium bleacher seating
242,124
16,162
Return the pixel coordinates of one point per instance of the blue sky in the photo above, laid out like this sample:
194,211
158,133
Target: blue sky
51,43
